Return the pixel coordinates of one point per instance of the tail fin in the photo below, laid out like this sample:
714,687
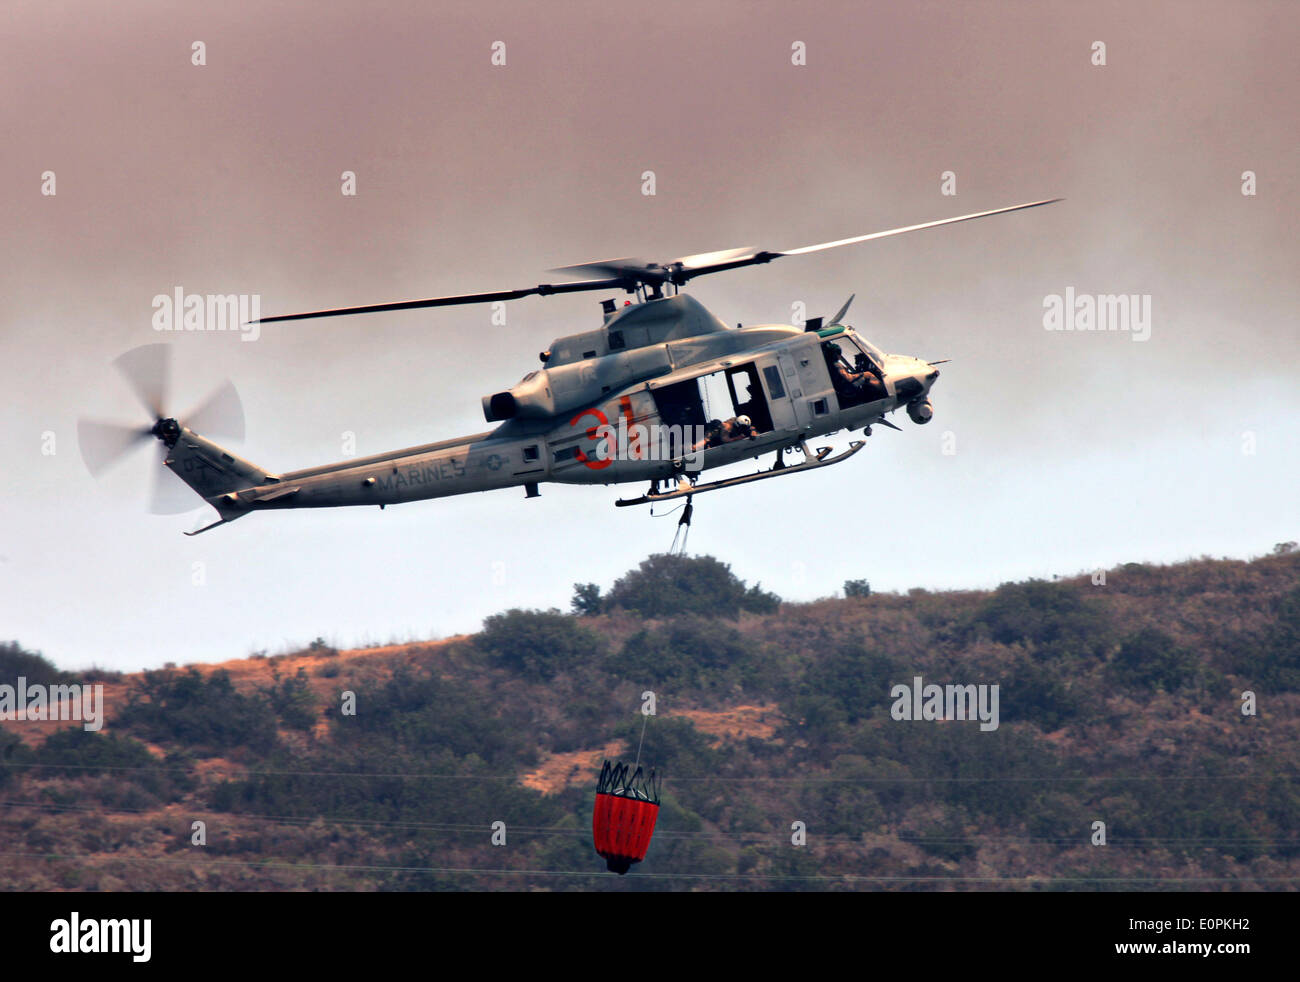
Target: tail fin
214,473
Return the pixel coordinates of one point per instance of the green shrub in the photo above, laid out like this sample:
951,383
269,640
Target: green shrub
1049,695
206,712
293,700
857,588
428,714
1272,658
15,661
13,754
586,599
77,747
1149,659
672,586
687,653
1051,616
538,644
117,771
846,685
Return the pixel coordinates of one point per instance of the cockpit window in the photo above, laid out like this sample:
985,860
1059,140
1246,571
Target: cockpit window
856,375
872,352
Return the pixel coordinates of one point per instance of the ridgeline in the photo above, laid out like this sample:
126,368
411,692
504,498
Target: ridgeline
1118,703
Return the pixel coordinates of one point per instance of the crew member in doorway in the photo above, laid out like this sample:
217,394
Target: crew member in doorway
736,428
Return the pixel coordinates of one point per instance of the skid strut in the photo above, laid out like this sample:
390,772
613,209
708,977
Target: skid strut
812,460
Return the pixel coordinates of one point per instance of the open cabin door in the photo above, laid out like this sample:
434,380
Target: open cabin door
717,397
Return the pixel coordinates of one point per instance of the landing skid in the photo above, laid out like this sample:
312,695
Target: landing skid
814,460
219,521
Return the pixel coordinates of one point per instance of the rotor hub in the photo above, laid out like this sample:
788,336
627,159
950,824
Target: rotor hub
167,430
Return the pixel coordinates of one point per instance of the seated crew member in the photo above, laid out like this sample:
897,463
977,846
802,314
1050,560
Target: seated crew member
873,382
842,377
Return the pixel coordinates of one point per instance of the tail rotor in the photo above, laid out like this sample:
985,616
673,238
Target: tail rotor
147,371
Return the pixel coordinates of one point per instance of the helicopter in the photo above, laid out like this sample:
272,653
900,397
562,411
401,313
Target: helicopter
662,391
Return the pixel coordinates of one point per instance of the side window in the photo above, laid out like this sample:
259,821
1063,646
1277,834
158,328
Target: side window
774,387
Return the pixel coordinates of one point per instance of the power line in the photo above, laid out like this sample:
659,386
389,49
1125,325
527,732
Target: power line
1039,879
777,833
248,771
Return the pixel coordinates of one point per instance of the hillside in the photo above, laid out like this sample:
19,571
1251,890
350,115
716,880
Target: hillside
1118,703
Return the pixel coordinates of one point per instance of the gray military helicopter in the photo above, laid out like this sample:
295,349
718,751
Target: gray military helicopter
662,391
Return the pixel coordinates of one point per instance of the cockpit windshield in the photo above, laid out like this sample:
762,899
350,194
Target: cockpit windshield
874,353
860,355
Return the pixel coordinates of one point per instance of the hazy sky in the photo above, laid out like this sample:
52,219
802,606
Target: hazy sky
1073,450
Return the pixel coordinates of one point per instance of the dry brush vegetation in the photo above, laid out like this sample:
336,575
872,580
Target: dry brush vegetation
1119,703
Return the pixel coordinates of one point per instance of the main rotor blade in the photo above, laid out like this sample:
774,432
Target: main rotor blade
648,272
608,268
703,259
104,444
542,289
912,228
147,369
842,311
626,273
220,414
767,257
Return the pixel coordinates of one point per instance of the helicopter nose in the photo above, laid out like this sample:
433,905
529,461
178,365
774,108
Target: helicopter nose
917,384
925,376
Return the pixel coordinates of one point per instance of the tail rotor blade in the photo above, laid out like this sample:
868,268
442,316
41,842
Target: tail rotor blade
104,444
171,495
147,369
220,414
